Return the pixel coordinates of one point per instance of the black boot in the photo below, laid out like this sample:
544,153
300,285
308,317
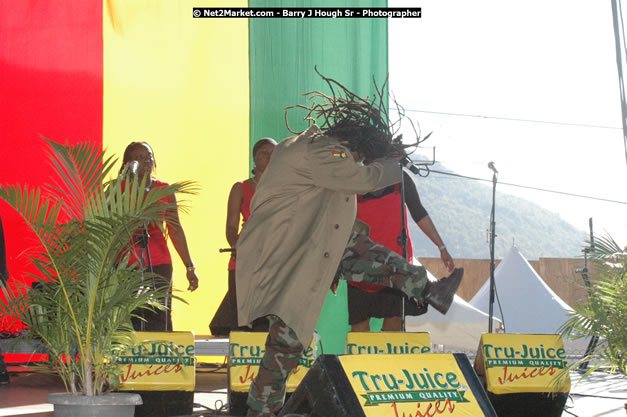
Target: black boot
440,293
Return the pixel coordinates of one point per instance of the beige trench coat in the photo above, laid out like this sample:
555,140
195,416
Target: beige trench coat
301,218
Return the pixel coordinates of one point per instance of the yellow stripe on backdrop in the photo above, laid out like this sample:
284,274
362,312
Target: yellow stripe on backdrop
181,84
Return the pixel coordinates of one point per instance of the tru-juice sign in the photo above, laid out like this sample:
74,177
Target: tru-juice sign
390,343
159,361
245,352
420,385
515,363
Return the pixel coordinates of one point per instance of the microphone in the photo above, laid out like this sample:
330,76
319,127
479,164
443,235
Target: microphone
132,167
407,163
492,167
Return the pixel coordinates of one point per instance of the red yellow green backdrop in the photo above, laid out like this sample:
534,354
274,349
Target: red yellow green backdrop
200,91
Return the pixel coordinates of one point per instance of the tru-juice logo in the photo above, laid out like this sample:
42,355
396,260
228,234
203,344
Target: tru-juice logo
387,348
528,361
250,355
410,386
159,359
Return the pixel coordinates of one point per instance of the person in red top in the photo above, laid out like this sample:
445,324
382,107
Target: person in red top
241,194
381,210
160,260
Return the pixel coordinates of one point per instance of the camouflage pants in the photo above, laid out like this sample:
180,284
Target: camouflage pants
267,391
366,261
363,261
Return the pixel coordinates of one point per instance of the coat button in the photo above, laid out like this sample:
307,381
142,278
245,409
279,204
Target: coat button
326,254
337,226
347,199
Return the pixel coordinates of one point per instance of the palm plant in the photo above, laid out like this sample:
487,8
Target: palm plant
604,314
85,291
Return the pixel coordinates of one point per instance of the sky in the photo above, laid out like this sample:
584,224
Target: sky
549,64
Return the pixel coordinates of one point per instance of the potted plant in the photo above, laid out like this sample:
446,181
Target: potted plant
604,314
85,291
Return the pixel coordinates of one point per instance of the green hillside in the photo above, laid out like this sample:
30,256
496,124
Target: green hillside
460,209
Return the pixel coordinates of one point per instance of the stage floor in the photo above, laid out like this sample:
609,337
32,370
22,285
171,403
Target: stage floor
26,394
599,395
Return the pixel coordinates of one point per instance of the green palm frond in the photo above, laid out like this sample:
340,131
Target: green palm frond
87,291
604,314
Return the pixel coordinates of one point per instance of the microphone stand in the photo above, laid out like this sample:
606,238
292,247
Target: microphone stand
403,239
584,275
408,163
492,236
144,249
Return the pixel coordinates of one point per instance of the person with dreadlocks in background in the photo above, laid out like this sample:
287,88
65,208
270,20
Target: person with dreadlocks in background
302,216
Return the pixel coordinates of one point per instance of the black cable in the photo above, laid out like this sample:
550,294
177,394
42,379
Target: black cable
498,302
598,396
220,409
529,187
218,367
566,406
206,368
514,119
211,364
572,414
198,405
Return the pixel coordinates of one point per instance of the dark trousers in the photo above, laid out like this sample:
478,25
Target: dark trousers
4,375
225,319
157,320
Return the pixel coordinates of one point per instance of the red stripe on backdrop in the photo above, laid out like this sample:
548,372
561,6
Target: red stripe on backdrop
50,85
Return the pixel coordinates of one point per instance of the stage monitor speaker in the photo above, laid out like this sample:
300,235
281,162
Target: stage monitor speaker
165,403
524,374
161,368
390,386
245,352
387,343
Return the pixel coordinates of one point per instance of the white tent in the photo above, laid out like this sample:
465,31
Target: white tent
527,303
459,330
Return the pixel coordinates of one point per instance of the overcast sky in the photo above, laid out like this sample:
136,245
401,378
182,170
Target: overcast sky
551,65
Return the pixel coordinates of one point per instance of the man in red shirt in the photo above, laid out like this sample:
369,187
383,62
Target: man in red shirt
381,210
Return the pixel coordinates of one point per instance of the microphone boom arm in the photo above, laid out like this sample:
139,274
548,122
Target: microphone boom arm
416,166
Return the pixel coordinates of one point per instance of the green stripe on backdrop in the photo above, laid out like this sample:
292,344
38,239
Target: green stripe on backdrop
283,53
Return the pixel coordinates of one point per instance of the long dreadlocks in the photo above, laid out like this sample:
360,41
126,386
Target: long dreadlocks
362,124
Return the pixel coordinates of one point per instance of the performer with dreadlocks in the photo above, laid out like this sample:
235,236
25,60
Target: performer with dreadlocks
302,217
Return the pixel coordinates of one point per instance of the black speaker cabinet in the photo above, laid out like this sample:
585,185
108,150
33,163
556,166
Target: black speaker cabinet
161,368
353,385
524,374
165,403
529,404
237,402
